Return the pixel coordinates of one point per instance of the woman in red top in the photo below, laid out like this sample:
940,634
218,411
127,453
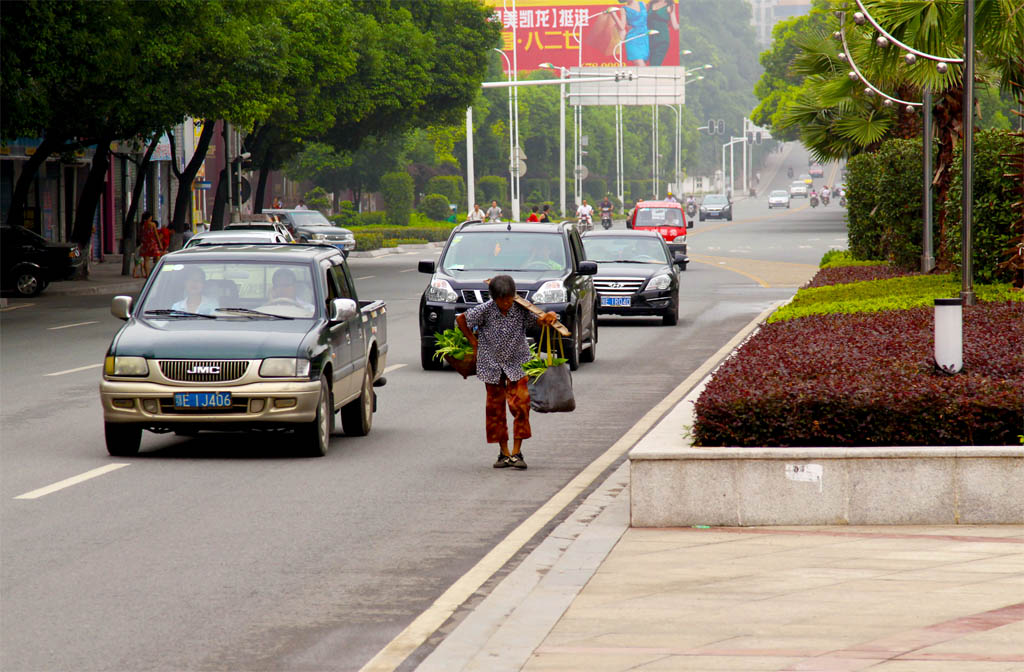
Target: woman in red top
152,242
533,215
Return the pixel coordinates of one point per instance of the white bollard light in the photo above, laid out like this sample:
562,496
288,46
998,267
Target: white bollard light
949,335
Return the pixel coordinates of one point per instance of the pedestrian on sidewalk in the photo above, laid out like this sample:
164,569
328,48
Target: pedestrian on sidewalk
501,350
152,247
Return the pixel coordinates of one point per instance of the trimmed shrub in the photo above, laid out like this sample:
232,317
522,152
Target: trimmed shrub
904,292
803,383
434,234
453,187
368,240
493,188
435,206
996,203
397,190
375,218
347,216
395,242
841,275
317,199
837,258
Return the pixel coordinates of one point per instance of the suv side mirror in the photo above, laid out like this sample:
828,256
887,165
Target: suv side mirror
342,309
587,268
427,265
121,307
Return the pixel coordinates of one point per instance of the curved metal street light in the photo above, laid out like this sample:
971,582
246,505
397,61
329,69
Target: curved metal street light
620,185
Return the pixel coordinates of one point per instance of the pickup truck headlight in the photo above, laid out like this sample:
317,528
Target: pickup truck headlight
284,367
662,281
550,292
126,366
440,290
681,238
319,236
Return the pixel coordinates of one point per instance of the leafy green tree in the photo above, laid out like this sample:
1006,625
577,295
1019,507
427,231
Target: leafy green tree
359,170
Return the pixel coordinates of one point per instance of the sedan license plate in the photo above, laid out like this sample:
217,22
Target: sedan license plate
202,399
616,301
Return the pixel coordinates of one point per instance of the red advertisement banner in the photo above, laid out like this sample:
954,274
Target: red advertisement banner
549,31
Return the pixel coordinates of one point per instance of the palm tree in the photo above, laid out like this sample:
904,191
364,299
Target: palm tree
837,118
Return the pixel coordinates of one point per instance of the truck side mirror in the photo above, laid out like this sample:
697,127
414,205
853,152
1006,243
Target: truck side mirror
427,265
121,307
342,309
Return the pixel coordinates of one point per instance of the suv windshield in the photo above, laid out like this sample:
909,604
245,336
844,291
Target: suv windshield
625,249
659,217
310,218
505,251
231,289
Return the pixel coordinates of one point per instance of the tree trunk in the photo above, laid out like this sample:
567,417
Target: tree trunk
130,227
220,202
183,200
261,187
85,211
948,118
16,215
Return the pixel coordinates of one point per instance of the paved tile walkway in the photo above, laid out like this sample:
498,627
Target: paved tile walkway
898,599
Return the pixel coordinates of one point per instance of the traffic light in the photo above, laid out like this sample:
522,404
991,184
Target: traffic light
711,127
750,137
721,127
757,137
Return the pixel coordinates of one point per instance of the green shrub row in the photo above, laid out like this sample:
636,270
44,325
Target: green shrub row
395,242
886,294
841,258
884,204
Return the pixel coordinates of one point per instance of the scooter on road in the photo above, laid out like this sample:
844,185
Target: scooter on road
814,201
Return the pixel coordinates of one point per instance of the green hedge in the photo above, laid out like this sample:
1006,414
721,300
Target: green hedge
996,203
375,218
397,189
368,240
887,294
435,206
434,234
840,258
453,187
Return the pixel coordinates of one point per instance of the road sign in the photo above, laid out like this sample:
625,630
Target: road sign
582,172
518,168
520,153
202,185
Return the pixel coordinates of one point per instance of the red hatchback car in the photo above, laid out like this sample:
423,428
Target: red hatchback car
666,217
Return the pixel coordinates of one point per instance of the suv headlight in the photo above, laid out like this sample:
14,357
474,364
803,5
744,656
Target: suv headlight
440,290
319,236
662,281
284,367
551,291
126,366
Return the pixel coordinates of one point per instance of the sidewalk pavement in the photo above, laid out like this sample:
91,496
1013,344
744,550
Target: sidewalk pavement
597,595
104,278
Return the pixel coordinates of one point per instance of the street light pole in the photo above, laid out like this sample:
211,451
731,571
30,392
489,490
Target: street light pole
967,196
512,158
619,148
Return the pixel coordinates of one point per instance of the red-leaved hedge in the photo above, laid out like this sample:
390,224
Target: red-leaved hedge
842,275
869,380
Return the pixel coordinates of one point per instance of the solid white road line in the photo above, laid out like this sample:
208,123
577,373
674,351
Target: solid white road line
409,270
393,367
81,368
366,277
16,306
427,623
74,480
76,324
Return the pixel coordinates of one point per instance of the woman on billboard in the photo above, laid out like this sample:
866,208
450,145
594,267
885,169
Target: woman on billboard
661,14
634,25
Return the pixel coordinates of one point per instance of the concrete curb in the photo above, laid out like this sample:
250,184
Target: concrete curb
401,249
88,288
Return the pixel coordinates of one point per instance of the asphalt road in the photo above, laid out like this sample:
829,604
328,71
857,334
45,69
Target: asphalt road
228,553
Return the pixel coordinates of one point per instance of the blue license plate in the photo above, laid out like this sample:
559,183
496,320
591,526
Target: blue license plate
202,399
616,301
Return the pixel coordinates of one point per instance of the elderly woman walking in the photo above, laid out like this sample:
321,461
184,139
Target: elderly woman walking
501,351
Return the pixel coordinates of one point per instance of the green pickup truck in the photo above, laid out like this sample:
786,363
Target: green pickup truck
245,337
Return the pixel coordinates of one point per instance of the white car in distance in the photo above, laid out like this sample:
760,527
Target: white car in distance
798,189
779,198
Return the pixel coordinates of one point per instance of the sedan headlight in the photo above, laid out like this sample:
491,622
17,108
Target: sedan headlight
551,292
126,366
440,290
662,281
284,367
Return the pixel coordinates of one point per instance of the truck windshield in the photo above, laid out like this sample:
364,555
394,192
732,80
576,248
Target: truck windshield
190,288
629,249
659,217
505,251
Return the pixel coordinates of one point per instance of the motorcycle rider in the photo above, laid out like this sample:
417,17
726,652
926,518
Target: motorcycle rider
670,198
585,213
813,198
606,212
826,193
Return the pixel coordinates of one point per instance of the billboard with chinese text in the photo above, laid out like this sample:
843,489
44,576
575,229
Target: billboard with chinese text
552,31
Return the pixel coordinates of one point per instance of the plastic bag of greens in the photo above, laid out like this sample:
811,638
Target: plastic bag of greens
550,381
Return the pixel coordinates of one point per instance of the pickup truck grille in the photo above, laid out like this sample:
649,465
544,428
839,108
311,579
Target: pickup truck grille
203,370
607,286
482,295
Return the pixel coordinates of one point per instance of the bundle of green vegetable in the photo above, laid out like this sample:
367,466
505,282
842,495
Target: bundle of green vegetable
452,343
536,367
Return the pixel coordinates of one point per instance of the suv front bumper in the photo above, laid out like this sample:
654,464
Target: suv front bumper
436,317
260,404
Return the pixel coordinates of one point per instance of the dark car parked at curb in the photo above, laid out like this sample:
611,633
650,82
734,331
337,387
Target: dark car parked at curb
547,262
636,273
716,206
30,262
228,338
312,226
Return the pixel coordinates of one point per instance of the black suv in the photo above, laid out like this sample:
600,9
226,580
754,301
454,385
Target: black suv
31,262
547,262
